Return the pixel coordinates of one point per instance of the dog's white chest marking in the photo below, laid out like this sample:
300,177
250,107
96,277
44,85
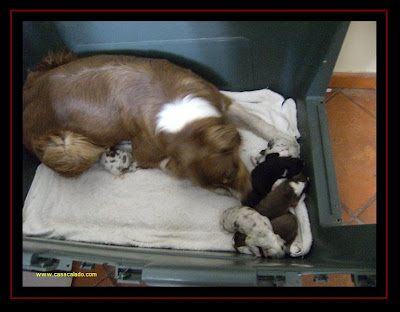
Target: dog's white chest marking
176,115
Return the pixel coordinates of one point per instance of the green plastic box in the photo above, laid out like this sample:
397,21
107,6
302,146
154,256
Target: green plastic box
294,58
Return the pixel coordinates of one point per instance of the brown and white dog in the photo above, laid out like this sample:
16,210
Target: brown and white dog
75,108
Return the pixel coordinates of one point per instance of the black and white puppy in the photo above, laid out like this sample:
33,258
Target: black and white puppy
118,161
275,206
278,145
285,226
265,174
253,233
285,195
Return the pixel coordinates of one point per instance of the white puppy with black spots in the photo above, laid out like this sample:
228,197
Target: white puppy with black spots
118,161
260,237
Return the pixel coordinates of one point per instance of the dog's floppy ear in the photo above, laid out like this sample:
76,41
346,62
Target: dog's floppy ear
224,138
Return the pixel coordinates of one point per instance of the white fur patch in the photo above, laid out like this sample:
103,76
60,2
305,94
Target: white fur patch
174,116
258,229
298,187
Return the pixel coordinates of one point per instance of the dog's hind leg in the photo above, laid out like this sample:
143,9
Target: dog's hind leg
66,152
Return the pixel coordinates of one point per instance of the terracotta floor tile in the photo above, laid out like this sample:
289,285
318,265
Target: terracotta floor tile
366,98
331,93
345,215
334,280
107,282
353,139
368,216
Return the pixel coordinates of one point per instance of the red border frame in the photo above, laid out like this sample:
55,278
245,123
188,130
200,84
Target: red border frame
214,10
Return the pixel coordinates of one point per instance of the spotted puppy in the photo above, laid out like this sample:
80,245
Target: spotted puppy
256,230
275,206
285,226
118,161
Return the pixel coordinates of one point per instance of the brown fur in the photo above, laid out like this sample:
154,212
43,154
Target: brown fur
98,101
278,201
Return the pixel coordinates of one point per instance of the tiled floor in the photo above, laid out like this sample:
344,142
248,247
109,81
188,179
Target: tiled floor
352,124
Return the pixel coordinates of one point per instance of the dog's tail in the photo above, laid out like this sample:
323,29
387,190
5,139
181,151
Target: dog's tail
54,59
67,153
48,62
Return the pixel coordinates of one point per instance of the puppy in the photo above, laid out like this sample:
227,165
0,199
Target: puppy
284,196
264,175
74,109
280,145
118,162
253,232
285,226
275,206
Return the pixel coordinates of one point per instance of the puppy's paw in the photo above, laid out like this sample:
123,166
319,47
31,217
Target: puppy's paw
245,250
133,167
266,245
295,249
284,147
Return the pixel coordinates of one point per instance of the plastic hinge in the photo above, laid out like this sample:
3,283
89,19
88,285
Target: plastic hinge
321,278
87,266
128,275
364,280
289,279
36,262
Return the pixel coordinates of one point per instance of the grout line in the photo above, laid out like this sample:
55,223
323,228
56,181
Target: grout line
366,205
353,216
358,104
105,277
344,207
353,219
332,95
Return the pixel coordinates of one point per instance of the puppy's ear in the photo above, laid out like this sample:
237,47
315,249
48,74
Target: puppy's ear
224,138
272,156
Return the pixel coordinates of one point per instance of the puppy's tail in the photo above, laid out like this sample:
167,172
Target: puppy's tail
54,59
67,153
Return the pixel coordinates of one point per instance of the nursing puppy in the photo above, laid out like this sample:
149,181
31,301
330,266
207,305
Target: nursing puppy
265,174
285,226
118,162
74,109
285,195
275,206
253,233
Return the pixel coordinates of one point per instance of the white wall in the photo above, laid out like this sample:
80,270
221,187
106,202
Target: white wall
358,53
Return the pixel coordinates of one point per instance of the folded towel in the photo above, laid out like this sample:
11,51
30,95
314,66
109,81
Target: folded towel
148,208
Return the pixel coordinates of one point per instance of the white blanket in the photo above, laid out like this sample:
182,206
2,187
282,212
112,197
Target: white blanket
149,208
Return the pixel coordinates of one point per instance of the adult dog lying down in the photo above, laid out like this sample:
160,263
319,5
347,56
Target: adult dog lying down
74,109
